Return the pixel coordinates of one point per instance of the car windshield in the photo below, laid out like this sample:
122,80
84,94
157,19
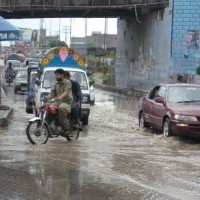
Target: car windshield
49,79
14,64
21,74
184,94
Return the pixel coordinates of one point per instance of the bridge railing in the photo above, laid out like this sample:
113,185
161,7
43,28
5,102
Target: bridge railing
31,4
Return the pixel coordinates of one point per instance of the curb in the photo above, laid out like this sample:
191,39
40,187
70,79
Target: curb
6,116
111,88
125,91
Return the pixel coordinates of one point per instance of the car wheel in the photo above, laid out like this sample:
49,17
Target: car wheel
92,102
142,123
166,128
15,91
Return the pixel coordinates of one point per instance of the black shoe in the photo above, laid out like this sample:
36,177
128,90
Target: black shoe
65,130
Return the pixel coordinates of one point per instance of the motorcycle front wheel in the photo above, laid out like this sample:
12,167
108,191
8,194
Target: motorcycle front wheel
37,134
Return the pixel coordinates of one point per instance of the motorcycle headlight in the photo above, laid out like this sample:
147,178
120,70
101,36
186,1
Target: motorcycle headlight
186,118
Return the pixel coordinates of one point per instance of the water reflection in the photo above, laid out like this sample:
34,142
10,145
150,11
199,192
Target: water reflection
116,100
57,176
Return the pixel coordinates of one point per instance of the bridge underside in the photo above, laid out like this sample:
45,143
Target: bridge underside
15,9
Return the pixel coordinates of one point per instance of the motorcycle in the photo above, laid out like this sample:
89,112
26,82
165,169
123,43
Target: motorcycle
46,125
10,77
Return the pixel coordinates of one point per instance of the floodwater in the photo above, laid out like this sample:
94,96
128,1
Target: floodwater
112,159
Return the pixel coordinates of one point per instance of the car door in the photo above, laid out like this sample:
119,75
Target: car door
158,109
148,104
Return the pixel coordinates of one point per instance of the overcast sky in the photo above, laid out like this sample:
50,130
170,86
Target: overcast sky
77,28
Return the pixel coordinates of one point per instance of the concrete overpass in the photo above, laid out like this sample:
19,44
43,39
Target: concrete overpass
15,9
144,37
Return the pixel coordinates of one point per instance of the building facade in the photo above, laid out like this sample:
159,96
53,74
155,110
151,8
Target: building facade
155,47
185,37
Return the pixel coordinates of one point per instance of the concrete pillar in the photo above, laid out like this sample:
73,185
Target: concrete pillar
144,50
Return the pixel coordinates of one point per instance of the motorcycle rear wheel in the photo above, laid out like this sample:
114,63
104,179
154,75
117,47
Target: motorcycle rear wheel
73,134
37,134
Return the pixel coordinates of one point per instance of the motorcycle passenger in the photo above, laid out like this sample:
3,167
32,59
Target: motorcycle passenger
9,71
62,94
77,97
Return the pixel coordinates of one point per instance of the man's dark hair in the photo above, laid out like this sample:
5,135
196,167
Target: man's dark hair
59,71
67,73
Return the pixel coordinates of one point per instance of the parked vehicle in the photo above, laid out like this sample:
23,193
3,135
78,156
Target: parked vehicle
30,98
46,125
29,60
92,92
172,108
34,64
21,81
91,82
16,65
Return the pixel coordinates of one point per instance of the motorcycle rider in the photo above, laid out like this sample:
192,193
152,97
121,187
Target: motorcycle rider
77,97
9,71
62,94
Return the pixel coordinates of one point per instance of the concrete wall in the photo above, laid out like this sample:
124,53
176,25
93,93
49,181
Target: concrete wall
144,50
185,37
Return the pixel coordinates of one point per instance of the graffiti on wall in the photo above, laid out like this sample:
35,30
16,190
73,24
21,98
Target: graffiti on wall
192,39
145,60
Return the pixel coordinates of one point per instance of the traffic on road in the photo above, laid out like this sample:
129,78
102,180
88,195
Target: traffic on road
113,158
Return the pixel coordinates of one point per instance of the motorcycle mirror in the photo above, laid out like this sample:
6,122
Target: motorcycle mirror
91,82
89,73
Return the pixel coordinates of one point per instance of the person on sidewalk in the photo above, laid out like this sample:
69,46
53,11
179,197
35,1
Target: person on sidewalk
77,97
62,94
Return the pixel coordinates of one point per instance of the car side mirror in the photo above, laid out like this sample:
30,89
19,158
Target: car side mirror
37,82
91,82
159,100
89,73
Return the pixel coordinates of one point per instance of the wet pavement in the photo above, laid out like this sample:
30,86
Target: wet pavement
112,159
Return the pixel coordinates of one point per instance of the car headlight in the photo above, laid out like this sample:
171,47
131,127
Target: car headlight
91,90
186,118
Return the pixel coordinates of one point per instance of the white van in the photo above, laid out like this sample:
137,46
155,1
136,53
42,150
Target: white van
16,64
47,81
69,60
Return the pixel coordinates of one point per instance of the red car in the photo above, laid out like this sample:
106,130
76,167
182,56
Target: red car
172,108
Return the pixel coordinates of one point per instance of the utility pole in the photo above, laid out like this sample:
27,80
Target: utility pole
50,26
105,34
59,29
67,29
86,32
41,34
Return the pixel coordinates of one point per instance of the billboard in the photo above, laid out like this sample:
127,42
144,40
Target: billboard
29,36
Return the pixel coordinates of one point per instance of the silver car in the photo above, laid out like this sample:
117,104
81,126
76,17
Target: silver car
21,81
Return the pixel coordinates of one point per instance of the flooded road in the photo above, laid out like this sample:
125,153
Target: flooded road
113,158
